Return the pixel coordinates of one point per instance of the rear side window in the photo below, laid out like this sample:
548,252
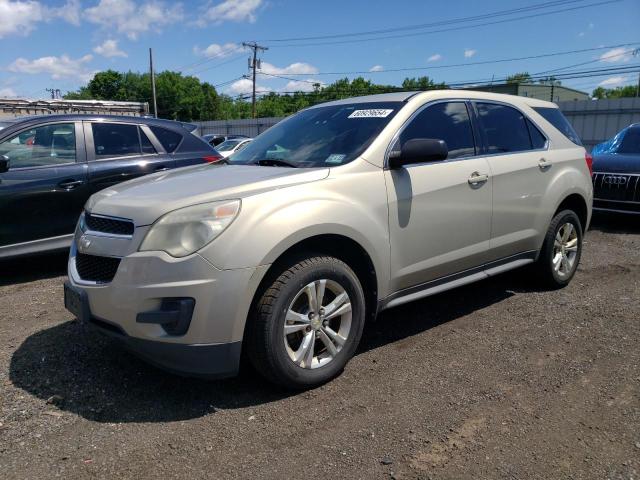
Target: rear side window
505,128
444,121
538,140
169,139
555,117
115,139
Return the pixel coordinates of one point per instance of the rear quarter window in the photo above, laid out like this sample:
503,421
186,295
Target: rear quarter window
555,117
168,138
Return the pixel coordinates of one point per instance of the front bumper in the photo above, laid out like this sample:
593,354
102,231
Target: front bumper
210,346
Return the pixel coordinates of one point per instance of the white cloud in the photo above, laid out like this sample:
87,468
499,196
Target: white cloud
20,17
377,68
616,55
434,58
306,85
57,67
232,10
244,85
299,68
7,92
70,12
614,81
131,18
216,50
469,52
109,49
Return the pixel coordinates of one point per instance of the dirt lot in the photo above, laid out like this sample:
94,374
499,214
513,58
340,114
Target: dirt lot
495,380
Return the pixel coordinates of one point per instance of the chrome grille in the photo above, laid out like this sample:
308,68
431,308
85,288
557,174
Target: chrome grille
98,223
618,187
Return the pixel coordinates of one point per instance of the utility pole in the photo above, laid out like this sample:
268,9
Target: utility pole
55,93
254,64
153,84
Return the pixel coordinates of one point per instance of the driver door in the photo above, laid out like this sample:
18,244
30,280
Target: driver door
439,212
45,188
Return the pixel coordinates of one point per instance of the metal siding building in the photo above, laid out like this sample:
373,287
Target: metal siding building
552,93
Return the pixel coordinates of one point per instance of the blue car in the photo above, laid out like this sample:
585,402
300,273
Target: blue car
51,164
616,172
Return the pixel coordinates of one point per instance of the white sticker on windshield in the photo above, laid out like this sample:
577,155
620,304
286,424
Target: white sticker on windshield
371,113
335,158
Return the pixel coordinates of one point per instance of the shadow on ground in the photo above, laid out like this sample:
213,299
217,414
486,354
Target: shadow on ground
31,268
615,223
99,381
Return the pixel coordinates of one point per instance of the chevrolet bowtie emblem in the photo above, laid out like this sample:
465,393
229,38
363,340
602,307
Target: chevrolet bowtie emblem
84,243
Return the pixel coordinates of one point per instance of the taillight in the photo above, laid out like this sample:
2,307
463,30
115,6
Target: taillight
589,159
212,158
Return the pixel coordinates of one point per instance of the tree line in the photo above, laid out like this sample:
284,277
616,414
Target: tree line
186,98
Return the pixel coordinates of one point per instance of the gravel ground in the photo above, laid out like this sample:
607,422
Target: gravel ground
494,380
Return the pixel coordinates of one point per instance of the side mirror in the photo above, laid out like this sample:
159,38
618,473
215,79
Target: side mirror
419,150
4,163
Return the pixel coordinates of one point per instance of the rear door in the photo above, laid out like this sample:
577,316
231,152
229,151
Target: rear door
439,212
42,194
521,165
117,152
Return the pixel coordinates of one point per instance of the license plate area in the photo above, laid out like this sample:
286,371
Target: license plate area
77,302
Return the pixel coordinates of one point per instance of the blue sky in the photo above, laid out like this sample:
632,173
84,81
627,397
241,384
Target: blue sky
60,43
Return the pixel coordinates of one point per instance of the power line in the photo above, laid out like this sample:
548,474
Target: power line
469,64
467,83
464,27
429,25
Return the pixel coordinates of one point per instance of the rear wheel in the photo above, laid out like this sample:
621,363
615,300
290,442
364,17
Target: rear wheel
308,323
561,251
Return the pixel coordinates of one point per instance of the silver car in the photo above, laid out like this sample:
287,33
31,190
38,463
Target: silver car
331,216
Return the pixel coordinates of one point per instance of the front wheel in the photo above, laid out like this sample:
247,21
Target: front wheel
561,250
308,323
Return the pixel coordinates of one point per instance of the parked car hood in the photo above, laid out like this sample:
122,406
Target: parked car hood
147,198
616,163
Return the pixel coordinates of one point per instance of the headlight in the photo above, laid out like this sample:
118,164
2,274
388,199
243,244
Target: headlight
184,231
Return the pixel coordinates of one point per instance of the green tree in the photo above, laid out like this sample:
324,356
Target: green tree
522,77
618,92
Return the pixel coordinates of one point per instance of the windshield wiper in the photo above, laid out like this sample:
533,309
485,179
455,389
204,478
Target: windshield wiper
274,162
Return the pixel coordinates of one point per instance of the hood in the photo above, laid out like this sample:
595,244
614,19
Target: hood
147,198
616,163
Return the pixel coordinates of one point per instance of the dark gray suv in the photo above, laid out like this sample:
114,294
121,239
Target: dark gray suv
51,164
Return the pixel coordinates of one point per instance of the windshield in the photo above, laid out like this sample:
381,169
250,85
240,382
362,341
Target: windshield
631,141
228,145
320,137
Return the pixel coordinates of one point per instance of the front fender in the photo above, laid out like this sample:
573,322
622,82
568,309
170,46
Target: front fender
352,205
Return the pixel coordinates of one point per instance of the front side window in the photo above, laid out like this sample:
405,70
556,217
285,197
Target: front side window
505,128
319,137
115,140
448,121
228,145
46,145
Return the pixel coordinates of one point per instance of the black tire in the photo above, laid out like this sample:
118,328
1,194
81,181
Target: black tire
547,274
265,341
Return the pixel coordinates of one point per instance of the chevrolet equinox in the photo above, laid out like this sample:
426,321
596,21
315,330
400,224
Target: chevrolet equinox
336,213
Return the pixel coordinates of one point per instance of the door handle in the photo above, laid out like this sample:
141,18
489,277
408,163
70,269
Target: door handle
544,164
477,179
162,168
70,184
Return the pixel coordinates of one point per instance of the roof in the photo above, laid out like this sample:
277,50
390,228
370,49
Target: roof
423,96
71,117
